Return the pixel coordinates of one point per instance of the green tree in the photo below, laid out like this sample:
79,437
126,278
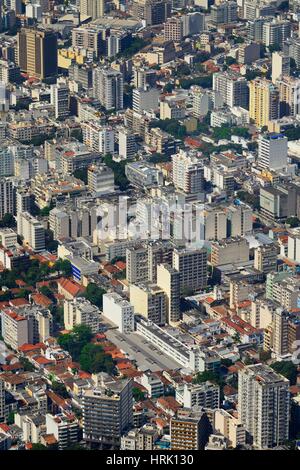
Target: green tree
138,395
82,174
206,376
93,359
38,446
94,294
8,221
74,341
293,222
60,389
64,267
286,368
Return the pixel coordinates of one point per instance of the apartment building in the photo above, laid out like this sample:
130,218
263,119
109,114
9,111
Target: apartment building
99,138
14,328
32,231
205,395
272,151
150,301
265,258
73,222
233,89
189,430
64,427
228,251
260,392
136,264
192,267
263,102
168,279
100,179
108,87
230,427
80,311
187,173
107,413
119,311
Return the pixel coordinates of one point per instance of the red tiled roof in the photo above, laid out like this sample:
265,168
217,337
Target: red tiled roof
41,299
72,287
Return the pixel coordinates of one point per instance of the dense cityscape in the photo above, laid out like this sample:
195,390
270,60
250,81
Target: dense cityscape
149,225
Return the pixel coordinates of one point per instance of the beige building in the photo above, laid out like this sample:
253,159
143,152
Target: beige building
150,301
37,52
228,251
80,311
230,427
93,8
168,279
265,258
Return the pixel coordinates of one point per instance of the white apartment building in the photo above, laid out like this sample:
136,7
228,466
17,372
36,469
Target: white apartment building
14,328
127,144
119,311
99,138
60,99
31,230
205,395
264,405
145,99
64,427
101,179
188,172
108,87
232,87
272,152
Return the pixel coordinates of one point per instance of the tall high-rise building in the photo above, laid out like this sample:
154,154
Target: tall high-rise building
225,12
168,279
280,66
264,101
188,173
272,151
31,230
289,92
7,197
154,12
60,99
37,52
137,264
232,87
192,266
173,30
108,87
93,8
264,405
189,430
2,401
107,412
127,144
276,32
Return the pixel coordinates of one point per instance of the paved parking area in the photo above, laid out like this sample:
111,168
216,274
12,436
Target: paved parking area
138,348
